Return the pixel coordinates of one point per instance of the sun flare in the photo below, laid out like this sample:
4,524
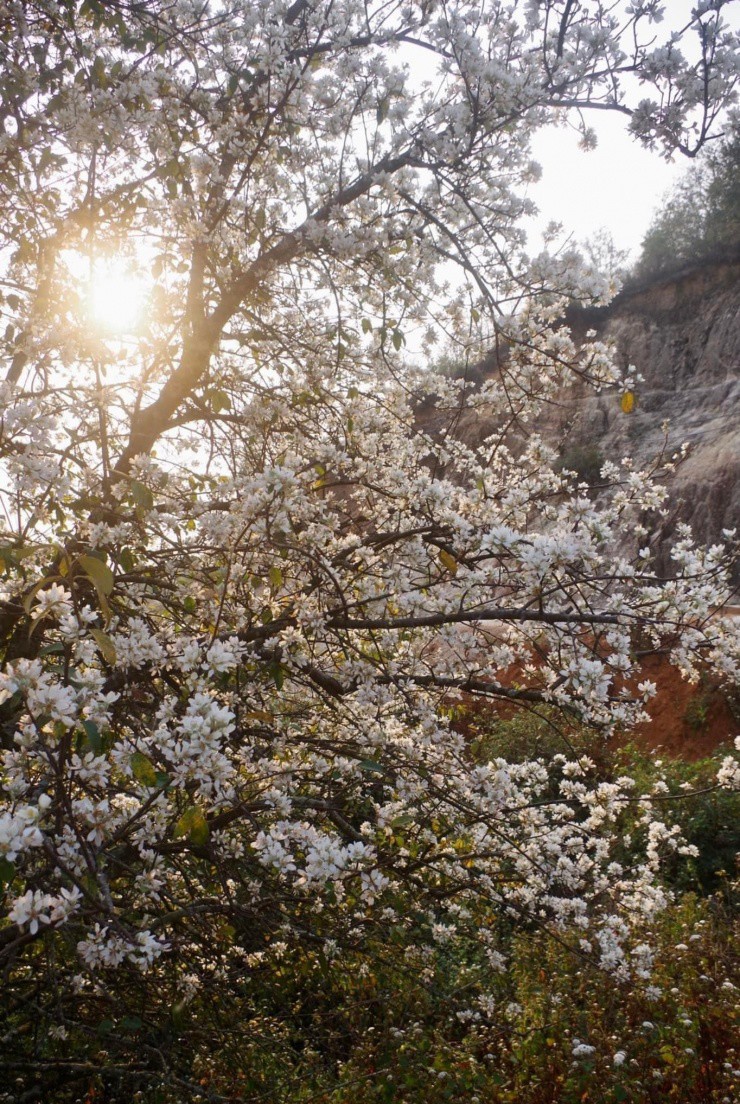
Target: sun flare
116,299
112,292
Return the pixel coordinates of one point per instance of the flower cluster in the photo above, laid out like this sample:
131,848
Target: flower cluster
256,558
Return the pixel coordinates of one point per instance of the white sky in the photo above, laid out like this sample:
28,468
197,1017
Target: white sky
620,183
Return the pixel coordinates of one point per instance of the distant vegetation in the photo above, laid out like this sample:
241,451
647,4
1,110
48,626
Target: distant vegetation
700,218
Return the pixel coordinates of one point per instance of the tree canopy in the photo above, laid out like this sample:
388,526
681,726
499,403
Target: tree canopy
245,584
700,218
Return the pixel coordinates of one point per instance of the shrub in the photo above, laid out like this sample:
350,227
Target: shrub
700,217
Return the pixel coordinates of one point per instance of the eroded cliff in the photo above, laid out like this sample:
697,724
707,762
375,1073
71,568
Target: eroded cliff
683,335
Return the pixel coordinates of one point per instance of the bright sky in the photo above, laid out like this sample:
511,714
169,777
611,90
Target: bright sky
619,184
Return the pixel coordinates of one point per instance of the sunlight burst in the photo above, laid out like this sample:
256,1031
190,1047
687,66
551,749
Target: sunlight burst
116,298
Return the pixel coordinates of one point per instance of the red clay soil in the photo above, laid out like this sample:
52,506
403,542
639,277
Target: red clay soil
688,721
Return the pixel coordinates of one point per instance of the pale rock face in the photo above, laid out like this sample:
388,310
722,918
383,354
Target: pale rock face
683,335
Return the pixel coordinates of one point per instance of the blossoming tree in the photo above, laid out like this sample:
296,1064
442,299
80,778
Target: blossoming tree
250,567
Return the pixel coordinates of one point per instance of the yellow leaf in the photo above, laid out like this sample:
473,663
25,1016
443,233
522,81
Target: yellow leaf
100,573
627,402
106,647
448,561
143,769
259,715
102,579
192,824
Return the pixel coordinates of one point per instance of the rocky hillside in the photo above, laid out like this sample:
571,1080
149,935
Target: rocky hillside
683,334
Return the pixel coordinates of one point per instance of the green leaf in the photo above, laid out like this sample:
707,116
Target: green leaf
219,401
98,74
278,674
371,765
93,738
126,559
367,325
179,1010
13,555
192,824
143,769
106,647
141,496
100,573
397,339
7,872
276,578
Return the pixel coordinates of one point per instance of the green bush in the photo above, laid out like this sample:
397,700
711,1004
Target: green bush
709,817
412,1017
585,460
701,216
